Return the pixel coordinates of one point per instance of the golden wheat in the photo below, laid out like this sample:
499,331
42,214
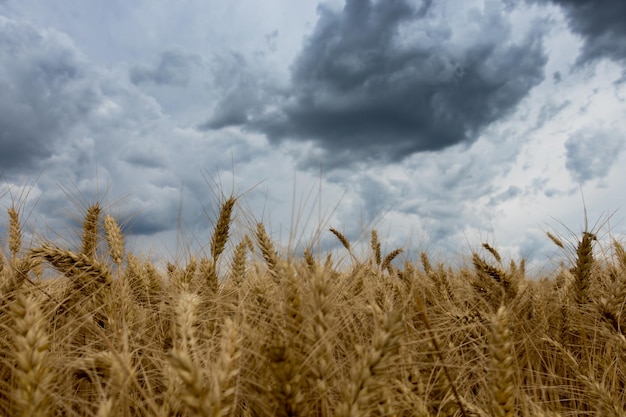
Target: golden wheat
115,239
120,335
31,345
220,234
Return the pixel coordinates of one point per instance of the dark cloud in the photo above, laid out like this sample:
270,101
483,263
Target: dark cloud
591,154
45,91
386,79
141,160
601,24
172,68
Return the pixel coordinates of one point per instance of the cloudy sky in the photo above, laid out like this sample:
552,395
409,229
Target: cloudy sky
441,123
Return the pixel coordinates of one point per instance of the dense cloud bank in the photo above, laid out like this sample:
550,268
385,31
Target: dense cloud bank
382,80
46,91
601,25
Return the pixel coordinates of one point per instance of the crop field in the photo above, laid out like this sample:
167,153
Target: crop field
244,330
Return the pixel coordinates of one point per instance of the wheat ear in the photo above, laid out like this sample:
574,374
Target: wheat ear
375,244
222,396
238,267
502,382
493,252
72,264
90,231
344,241
115,239
15,232
194,394
220,234
267,248
374,360
556,240
390,257
31,355
582,270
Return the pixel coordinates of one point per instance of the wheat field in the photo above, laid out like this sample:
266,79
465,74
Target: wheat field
245,330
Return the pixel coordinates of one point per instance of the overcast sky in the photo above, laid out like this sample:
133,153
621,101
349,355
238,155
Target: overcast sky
441,123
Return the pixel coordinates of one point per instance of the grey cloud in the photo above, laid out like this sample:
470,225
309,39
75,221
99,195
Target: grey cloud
591,154
510,193
173,67
601,23
241,88
46,90
141,160
386,79
549,110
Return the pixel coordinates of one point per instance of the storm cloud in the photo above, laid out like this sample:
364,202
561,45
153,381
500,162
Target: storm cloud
173,67
601,24
45,92
386,79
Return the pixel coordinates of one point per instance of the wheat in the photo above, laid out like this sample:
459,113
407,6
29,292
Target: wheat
238,267
193,394
287,377
223,389
556,240
115,239
220,234
320,336
32,369
344,241
386,264
310,261
375,244
493,252
502,382
208,274
372,361
74,265
15,232
582,269
267,248
301,339
90,231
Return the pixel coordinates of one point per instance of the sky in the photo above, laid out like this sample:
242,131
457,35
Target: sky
443,124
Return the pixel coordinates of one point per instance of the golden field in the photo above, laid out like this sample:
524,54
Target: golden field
243,330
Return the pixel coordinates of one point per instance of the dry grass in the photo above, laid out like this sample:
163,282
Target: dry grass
108,333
